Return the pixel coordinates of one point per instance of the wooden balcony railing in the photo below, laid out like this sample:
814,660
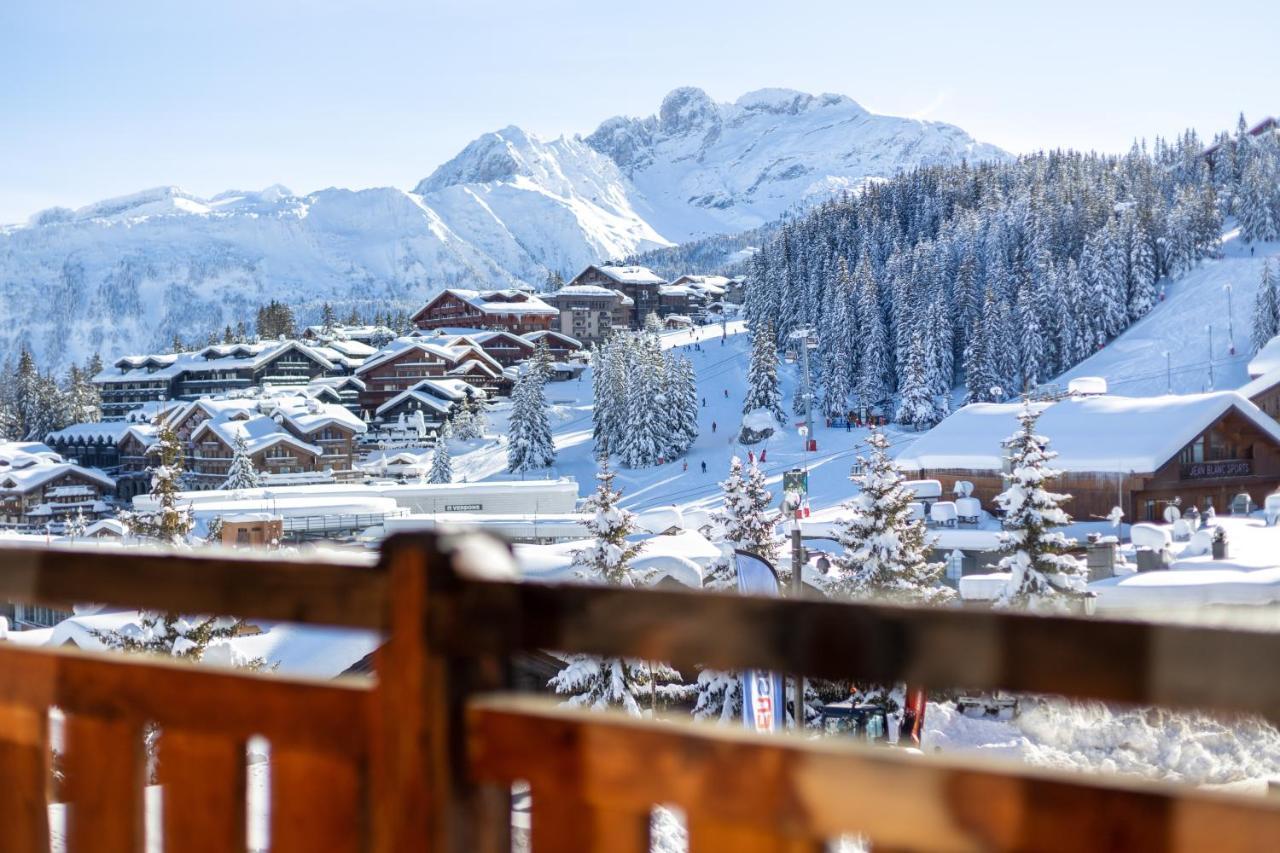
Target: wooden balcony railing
422,757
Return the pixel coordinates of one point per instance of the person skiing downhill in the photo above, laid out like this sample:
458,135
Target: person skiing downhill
713,426
751,457
762,455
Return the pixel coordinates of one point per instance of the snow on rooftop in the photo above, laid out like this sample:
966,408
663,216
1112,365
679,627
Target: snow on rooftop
631,274
1267,360
1141,433
104,431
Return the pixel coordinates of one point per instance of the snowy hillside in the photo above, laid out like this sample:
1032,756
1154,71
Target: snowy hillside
127,274
1134,364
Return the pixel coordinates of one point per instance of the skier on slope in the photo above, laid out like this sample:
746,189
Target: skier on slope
713,427
704,466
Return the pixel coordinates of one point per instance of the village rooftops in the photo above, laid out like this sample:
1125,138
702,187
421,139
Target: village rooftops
1092,433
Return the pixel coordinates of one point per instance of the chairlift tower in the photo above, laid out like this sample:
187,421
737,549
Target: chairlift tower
805,339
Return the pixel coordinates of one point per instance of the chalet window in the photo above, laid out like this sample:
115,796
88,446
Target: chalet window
1193,452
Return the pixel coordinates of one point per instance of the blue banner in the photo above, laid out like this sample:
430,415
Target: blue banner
763,696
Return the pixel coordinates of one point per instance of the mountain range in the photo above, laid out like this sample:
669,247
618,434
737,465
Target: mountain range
128,273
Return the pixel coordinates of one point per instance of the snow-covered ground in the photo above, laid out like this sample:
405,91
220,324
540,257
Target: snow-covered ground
1134,364
720,368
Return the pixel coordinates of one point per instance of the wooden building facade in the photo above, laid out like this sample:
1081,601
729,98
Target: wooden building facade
1234,452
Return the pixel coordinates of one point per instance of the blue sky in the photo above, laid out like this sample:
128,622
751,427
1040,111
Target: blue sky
99,99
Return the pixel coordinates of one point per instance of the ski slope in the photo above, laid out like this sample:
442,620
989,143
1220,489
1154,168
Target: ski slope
1134,364
720,368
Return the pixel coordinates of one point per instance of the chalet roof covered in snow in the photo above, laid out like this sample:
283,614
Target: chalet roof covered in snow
1094,433
219,357
259,432
26,466
551,336
103,432
629,274
449,354
503,302
1267,360
586,290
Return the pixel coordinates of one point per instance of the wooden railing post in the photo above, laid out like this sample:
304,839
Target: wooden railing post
423,798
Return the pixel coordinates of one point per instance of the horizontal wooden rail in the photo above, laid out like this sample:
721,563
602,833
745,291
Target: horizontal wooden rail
326,715
1081,658
803,792
253,586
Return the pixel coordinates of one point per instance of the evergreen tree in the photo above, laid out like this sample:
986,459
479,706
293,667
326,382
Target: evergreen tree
873,361
530,445
1257,203
242,474
441,462
644,441
682,406
328,320
885,549
1266,309
763,390
171,523
1041,574
599,683
1142,264
916,407
747,520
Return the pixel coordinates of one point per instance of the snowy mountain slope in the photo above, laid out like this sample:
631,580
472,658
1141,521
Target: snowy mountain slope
1134,363
127,274
536,205
703,167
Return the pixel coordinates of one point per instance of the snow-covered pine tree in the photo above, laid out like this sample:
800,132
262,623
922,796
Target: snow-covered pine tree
242,474
531,445
836,355
75,525
873,360
1266,309
748,522
1256,206
1041,575
328,320
171,523
441,461
599,683
460,419
916,407
1031,346
644,439
763,390
885,549
682,402
1142,267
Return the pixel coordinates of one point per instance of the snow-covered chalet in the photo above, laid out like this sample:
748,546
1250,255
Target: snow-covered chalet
1140,453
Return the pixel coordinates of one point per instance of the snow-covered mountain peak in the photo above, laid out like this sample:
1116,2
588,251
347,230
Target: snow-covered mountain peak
127,273
687,110
790,101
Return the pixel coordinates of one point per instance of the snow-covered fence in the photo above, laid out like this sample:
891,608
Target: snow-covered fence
423,758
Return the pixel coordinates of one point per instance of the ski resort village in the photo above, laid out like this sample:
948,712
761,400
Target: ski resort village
756,475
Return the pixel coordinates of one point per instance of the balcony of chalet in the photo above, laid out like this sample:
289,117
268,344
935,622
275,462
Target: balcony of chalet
423,751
